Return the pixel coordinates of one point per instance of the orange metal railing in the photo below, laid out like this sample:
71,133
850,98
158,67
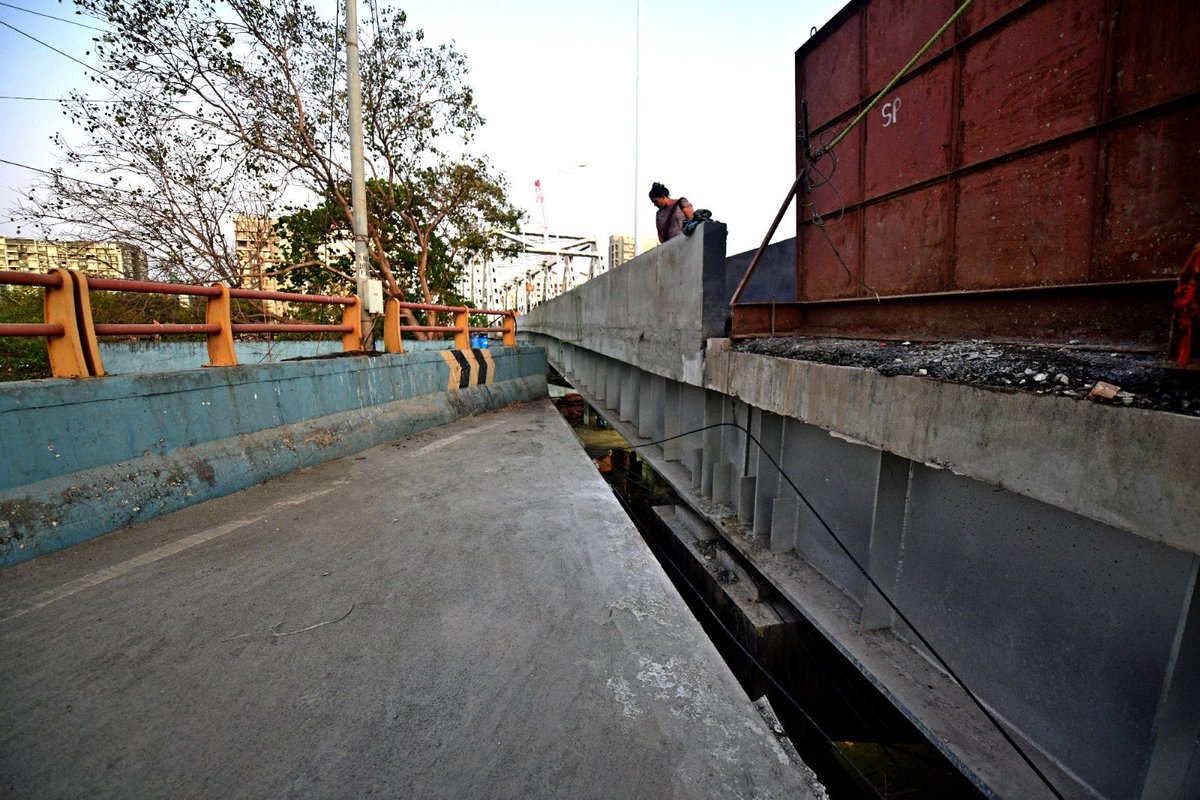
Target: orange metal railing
71,334
462,328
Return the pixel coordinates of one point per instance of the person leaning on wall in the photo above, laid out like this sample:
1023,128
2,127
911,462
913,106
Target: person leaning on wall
672,214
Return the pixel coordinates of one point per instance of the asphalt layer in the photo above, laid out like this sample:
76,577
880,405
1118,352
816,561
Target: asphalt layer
1141,380
464,613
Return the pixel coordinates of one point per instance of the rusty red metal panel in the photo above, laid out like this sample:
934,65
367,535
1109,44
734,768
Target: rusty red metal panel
1131,316
1025,222
908,133
984,12
1035,79
1151,215
824,275
897,29
907,242
1057,146
832,74
1154,63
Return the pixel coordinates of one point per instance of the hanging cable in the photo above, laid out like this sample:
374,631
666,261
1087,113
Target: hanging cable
874,585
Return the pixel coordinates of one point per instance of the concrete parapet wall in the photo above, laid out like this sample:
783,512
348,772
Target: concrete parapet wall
655,311
86,457
121,358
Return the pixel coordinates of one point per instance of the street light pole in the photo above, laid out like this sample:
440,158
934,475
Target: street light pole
358,184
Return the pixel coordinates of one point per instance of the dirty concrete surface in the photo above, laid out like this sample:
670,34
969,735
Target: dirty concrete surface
463,613
1141,380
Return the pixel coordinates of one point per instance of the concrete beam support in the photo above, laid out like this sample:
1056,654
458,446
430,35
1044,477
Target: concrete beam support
595,377
887,534
745,499
613,384
658,404
672,418
783,524
722,480
767,486
647,407
630,392
714,413
691,417
696,467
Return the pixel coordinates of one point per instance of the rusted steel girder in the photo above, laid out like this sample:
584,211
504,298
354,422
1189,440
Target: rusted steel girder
1120,315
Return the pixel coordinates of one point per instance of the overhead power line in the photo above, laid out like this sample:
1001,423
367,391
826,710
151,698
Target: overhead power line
55,49
50,16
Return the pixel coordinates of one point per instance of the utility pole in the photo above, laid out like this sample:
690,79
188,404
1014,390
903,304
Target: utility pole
358,183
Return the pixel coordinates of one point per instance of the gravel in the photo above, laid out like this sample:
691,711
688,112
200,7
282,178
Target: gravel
1141,380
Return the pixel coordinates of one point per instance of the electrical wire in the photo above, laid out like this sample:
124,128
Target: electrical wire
882,593
60,52
50,16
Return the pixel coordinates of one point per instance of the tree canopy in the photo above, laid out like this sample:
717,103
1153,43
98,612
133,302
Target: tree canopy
234,107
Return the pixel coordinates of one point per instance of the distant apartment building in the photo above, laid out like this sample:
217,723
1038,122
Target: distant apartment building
259,251
100,259
620,249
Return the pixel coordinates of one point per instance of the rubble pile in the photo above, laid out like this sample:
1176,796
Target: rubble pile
1135,380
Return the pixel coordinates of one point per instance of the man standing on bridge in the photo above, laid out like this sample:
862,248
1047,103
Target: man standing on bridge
671,213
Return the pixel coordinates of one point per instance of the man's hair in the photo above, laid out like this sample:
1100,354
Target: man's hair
658,190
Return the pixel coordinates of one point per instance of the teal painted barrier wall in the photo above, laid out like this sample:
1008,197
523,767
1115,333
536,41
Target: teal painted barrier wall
85,457
121,358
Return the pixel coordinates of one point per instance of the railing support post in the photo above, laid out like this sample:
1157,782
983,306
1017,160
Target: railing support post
350,316
66,351
510,330
220,344
392,341
86,327
462,339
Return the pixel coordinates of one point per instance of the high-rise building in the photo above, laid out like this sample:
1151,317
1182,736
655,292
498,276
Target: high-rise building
620,249
258,250
101,259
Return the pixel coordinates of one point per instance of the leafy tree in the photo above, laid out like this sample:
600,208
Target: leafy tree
22,357
422,227
229,107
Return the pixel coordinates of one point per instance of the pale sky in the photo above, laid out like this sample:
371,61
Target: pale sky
556,82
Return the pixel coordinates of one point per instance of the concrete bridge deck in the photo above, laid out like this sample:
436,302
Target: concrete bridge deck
465,612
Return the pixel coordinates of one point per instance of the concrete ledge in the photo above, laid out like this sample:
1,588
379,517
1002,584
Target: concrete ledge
655,311
1132,469
99,454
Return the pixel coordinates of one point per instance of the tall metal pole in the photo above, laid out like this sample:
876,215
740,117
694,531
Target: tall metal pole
358,183
637,110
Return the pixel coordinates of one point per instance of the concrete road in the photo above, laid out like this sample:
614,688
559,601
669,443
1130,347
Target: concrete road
466,613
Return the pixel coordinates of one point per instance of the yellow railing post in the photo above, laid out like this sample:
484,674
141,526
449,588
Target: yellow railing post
350,316
510,330
462,320
66,351
87,327
392,342
220,344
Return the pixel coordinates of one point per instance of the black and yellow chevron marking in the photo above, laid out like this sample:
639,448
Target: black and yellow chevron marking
469,368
